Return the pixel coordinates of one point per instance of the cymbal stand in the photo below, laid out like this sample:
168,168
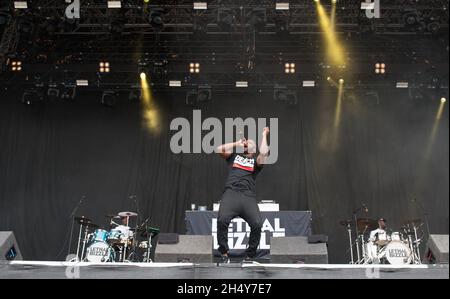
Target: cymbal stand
149,248
79,242
125,246
416,252
83,251
363,247
349,229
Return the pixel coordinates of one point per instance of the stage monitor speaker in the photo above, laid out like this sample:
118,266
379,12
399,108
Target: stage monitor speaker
190,248
437,249
9,248
294,250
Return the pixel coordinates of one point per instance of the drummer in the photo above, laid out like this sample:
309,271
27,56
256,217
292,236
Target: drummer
124,228
378,237
380,233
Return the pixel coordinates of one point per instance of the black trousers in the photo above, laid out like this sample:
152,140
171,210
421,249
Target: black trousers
236,204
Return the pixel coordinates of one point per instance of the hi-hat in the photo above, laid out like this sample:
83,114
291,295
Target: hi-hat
82,220
127,214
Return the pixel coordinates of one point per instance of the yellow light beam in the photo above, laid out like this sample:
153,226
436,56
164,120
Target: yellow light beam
337,114
150,112
335,51
333,15
435,128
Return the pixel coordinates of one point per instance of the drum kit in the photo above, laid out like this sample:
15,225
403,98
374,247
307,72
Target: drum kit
117,242
377,246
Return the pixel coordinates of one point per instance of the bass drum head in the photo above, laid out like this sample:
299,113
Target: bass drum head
398,253
99,252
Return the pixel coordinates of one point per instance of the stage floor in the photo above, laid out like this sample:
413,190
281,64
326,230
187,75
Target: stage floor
63,270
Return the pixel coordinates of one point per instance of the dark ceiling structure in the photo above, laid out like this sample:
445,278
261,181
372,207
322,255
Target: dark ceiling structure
231,40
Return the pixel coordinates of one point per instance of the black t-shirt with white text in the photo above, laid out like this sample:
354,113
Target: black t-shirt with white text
242,175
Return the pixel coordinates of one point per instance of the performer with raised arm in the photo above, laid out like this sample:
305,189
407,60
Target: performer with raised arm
239,196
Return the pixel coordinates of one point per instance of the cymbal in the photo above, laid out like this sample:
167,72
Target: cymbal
127,214
365,224
82,219
345,222
112,216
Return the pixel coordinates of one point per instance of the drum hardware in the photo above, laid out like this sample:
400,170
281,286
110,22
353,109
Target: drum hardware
148,232
117,243
85,223
348,224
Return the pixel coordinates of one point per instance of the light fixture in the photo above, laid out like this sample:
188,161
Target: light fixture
175,83
282,6
82,82
289,67
309,83
104,67
402,85
20,4
443,100
380,68
114,4
194,67
143,76
16,65
241,84
341,81
200,5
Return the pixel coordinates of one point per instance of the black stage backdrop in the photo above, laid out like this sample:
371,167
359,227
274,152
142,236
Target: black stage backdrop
381,155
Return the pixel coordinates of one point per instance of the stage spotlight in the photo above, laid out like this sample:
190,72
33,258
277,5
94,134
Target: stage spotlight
334,1
443,100
282,6
380,68
104,67
194,67
241,84
143,76
32,96
341,81
20,4
68,92
175,83
146,1
53,91
289,68
200,5
156,18
109,98
309,83
114,4
204,93
402,85
134,95
258,18
225,18
282,94
16,65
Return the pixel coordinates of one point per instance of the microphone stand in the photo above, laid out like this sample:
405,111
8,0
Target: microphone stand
72,217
